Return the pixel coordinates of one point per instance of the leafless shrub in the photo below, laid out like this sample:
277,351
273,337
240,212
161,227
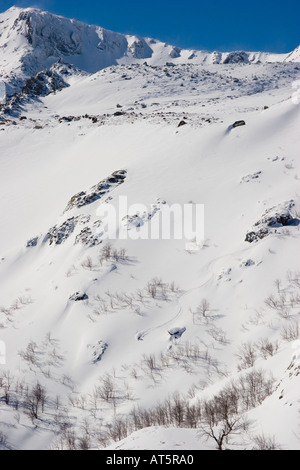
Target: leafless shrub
119,429
203,308
152,289
290,331
272,302
294,279
247,356
122,254
88,263
277,284
29,355
262,442
253,388
150,362
83,443
107,390
106,252
140,296
266,348
218,335
283,308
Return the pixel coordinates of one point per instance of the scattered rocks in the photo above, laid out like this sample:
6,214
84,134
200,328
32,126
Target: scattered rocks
97,192
78,297
87,238
32,243
255,236
58,235
138,220
176,333
99,351
253,177
238,124
248,263
273,219
44,83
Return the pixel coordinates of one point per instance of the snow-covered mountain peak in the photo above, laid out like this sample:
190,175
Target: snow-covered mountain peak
32,39
294,56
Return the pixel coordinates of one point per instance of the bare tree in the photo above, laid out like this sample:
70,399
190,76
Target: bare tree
290,331
35,401
106,252
277,284
152,289
267,348
203,308
219,421
107,390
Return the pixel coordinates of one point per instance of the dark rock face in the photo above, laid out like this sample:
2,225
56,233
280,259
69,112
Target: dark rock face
175,53
176,333
86,237
44,83
239,57
51,36
254,236
99,351
272,221
32,243
238,124
140,49
58,235
78,297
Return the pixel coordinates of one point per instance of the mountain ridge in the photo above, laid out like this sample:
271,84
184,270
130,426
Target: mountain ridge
37,39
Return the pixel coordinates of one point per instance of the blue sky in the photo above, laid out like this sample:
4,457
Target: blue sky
224,25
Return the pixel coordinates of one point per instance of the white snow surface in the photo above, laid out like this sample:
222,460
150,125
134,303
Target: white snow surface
87,317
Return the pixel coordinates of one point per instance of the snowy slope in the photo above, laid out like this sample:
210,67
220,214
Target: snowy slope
112,333
294,56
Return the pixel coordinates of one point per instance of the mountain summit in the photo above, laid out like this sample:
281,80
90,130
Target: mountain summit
32,39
